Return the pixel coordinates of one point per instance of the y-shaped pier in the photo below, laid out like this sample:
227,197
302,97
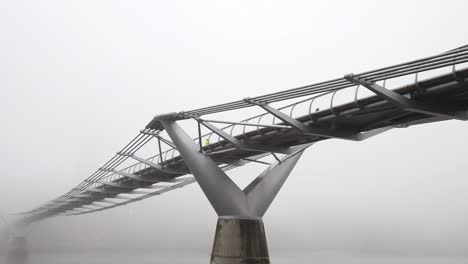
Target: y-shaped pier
240,234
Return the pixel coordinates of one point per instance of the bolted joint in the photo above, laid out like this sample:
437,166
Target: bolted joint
357,80
254,101
155,124
167,116
186,115
198,119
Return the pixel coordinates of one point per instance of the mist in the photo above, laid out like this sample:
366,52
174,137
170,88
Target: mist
80,79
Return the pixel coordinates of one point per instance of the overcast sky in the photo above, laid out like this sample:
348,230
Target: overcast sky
79,79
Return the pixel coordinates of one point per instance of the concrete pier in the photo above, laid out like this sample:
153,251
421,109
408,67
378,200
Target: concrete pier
17,250
240,241
240,235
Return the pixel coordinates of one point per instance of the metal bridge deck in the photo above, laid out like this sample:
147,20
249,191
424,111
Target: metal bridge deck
437,98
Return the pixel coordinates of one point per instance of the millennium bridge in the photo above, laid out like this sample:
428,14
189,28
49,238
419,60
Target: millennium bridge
201,145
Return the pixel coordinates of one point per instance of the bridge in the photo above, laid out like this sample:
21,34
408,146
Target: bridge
201,145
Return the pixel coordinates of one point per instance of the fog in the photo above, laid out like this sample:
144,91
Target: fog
79,79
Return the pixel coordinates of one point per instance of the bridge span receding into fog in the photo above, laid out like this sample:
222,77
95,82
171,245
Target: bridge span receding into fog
354,108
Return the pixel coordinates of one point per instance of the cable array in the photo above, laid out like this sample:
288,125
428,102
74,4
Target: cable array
449,58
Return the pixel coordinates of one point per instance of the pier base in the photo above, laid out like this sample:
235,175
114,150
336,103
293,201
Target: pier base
17,250
240,235
240,241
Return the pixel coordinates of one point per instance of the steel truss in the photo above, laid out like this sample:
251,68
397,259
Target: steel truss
437,98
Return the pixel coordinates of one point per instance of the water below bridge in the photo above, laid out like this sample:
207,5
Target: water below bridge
323,257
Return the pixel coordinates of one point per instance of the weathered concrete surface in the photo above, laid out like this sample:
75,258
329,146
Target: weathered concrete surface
240,241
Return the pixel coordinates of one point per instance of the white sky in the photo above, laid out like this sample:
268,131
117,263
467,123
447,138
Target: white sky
78,79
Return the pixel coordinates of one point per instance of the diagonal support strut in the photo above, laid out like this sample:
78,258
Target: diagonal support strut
240,144
402,102
296,124
153,165
224,195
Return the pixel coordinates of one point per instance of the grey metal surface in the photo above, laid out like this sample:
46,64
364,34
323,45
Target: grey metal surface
437,98
400,101
262,191
224,195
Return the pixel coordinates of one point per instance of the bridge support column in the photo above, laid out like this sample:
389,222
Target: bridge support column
17,250
240,234
239,240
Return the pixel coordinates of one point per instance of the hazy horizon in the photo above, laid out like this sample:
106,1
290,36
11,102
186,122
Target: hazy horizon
80,79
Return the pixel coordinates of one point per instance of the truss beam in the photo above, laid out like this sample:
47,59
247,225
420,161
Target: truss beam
130,186
95,201
240,144
91,195
153,165
247,124
296,124
152,179
97,190
167,142
407,104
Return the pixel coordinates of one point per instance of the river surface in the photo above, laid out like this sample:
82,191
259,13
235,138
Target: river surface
325,257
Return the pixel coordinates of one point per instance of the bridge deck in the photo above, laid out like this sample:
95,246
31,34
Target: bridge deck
357,116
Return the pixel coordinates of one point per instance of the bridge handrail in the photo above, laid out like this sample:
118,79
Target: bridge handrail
450,58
